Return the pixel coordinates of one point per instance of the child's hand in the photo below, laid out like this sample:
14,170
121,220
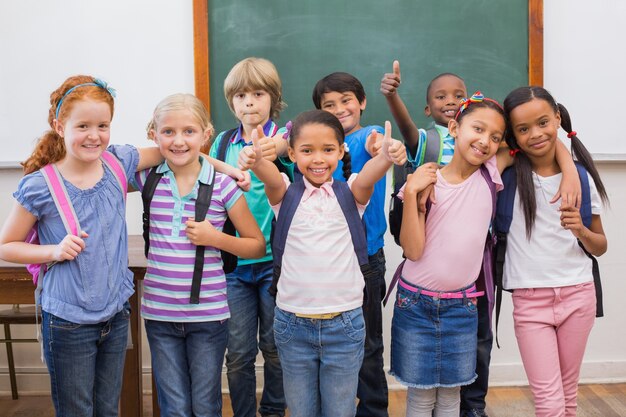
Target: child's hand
372,143
570,193
391,81
427,195
392,149
70,247
200,233
268,147
244,180
250,155
423,176
571,220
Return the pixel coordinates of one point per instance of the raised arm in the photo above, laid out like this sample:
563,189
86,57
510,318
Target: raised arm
389,87
570,190
413,231
251,157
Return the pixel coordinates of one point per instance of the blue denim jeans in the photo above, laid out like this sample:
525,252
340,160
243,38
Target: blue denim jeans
373,392
251,315
321,361
473,395
187,363
86,364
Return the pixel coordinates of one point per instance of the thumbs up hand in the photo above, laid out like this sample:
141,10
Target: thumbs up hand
373,143
392,149
250,155
391,81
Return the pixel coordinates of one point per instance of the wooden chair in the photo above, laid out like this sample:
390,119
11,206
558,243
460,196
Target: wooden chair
16,315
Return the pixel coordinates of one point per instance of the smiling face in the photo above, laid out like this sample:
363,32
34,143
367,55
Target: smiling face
535,125
478,135
86,130
346,107
252,108
443,99
316,151
179,136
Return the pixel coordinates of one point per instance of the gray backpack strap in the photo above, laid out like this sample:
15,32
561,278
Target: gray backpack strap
434,145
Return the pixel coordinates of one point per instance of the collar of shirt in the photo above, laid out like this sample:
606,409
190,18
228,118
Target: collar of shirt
205,175
443,131
310,189
269,128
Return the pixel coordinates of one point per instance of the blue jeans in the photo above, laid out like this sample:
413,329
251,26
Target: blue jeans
473,395
373,391
252,313
321,361
187,363
86,364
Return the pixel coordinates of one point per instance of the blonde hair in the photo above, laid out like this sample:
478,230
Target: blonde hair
255,74
177,102
50,148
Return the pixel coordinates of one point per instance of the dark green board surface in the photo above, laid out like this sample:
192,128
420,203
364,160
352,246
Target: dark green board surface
484,41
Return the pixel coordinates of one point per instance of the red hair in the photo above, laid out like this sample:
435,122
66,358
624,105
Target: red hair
50,148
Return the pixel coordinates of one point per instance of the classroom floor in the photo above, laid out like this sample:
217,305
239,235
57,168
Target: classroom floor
607,400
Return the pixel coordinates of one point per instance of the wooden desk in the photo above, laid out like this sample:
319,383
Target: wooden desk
16,287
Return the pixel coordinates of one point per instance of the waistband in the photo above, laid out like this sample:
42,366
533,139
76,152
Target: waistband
465,293
323,316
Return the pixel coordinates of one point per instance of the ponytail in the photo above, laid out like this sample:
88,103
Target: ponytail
347,165
581,154
50,148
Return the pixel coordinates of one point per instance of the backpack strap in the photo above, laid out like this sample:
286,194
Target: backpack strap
585,206
434,146
203,201
53,179
115,165
147,192
355,224
288,207
224,142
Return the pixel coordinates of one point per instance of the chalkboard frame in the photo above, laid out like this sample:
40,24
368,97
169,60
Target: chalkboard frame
201,47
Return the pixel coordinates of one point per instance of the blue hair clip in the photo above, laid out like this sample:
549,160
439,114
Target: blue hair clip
96,83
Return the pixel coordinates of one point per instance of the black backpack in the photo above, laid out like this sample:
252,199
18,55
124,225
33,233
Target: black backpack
431,153
203,200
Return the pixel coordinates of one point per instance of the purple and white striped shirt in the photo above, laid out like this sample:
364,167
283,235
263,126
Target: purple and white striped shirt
167,284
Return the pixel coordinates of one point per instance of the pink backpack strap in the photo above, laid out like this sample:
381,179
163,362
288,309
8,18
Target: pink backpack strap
61,199
115,165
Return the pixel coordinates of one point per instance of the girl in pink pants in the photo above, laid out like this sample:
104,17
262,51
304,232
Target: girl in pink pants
548,251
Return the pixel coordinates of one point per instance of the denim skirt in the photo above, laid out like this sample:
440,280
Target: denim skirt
433,340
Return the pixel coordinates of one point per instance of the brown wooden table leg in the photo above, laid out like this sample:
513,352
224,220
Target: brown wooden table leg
131,401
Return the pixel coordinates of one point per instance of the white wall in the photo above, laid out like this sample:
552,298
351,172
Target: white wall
149,55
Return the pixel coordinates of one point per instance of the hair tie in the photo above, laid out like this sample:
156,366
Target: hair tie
571,134
346,148
513,152
288,126
477,97
96,83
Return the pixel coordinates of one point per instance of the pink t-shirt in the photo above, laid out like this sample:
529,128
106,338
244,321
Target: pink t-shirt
320,271
456,229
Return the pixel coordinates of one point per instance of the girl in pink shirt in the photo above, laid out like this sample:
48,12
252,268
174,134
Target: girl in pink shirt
318,326
433,346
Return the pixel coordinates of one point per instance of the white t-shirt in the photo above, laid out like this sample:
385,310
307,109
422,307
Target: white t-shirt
552,257
320,271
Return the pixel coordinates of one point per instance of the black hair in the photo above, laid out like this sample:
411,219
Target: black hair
523,166
486,103
327,119
340,82
444,74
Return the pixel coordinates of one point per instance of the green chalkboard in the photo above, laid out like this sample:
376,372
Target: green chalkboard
484,41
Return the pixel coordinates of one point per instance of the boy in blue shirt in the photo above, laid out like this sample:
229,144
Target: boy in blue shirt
443,95
343,95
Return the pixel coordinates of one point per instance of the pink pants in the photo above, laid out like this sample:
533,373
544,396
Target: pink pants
552,326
